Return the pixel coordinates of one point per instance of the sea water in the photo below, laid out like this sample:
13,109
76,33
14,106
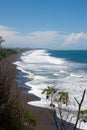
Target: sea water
66,70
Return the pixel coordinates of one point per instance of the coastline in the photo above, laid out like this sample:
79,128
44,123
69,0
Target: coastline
44,116
44,119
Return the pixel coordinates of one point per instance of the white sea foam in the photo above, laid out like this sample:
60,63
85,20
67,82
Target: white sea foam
45,70
40,56
75,75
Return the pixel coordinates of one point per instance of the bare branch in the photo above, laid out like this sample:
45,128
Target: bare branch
76,100
80,104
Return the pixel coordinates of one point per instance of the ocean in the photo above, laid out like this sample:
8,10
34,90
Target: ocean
64,69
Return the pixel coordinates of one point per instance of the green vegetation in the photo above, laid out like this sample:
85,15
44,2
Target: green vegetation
12,115
64,98
30,119
51,92
6,52
83,111
1,40
83,115
57,100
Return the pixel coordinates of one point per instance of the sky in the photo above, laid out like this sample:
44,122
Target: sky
54,24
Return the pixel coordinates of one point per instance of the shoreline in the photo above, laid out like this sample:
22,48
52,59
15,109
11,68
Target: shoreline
44,116
44,119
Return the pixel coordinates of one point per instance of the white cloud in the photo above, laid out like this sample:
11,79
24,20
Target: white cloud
42,39
34,39
74,37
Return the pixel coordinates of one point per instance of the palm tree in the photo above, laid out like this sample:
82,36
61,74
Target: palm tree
1,40
63,97
50,91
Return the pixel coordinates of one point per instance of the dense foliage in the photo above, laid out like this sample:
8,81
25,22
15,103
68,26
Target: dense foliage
6,52
12,115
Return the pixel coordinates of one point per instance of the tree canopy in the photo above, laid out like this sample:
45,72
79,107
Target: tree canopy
1,40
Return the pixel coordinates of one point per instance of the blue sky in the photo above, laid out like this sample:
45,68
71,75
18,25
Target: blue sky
55,24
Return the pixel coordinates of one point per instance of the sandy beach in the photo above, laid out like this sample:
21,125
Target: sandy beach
44,118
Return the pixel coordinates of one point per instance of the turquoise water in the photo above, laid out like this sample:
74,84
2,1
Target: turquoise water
72,55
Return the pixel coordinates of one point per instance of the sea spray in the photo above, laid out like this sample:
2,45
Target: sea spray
63,69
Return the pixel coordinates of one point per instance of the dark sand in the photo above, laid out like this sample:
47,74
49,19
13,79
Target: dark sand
44,118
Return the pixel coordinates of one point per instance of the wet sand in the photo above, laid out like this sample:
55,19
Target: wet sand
44,116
